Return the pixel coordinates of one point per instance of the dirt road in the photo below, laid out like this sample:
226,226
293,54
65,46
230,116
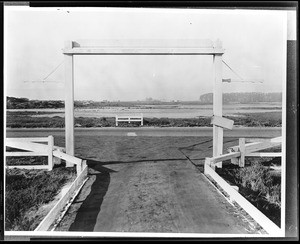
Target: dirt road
150,184
266,132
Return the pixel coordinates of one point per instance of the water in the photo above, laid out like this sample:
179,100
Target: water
163,111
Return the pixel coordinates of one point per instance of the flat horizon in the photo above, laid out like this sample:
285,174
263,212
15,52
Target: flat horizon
137,100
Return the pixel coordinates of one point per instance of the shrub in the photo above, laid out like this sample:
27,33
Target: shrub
164,121
17,120
256,177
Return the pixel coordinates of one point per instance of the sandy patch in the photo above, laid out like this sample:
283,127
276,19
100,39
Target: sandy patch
37,216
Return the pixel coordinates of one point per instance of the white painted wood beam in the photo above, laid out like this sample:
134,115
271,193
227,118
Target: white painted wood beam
67,157
28,139
222,122
144,43
30,146
264,154
144,47
143,51
69,102
217,107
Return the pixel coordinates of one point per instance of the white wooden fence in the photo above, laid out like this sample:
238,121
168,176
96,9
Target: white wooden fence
34,147
237,155
251,149
54,153
129,118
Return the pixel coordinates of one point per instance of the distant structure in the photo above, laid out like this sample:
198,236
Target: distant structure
243,97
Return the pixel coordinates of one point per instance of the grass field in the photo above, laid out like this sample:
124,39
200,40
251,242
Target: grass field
26,120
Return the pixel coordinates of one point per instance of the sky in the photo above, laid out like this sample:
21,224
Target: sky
254,43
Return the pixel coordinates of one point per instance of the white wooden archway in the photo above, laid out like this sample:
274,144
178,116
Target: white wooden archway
144,47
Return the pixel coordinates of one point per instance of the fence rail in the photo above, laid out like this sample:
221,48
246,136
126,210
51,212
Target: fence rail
251,149
80,163
34,147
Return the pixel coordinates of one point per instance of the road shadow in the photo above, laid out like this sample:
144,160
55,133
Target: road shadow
139,161
87,213
203,147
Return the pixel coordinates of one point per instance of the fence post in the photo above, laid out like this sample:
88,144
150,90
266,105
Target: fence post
50,152
242,150
55,159
233,160
116,120
83,163
78,168
207,163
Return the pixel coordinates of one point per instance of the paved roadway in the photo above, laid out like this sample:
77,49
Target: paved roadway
259,132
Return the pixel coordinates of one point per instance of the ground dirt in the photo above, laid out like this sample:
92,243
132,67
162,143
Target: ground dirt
150,184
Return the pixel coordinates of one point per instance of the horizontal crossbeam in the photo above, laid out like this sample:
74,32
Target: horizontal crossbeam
144,47
139,42
143,51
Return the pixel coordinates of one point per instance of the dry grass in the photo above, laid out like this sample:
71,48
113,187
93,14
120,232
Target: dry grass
26,191
258,184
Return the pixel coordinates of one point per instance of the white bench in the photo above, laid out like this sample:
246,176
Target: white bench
129,118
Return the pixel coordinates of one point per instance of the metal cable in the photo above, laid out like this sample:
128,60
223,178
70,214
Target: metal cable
53,70
232,70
